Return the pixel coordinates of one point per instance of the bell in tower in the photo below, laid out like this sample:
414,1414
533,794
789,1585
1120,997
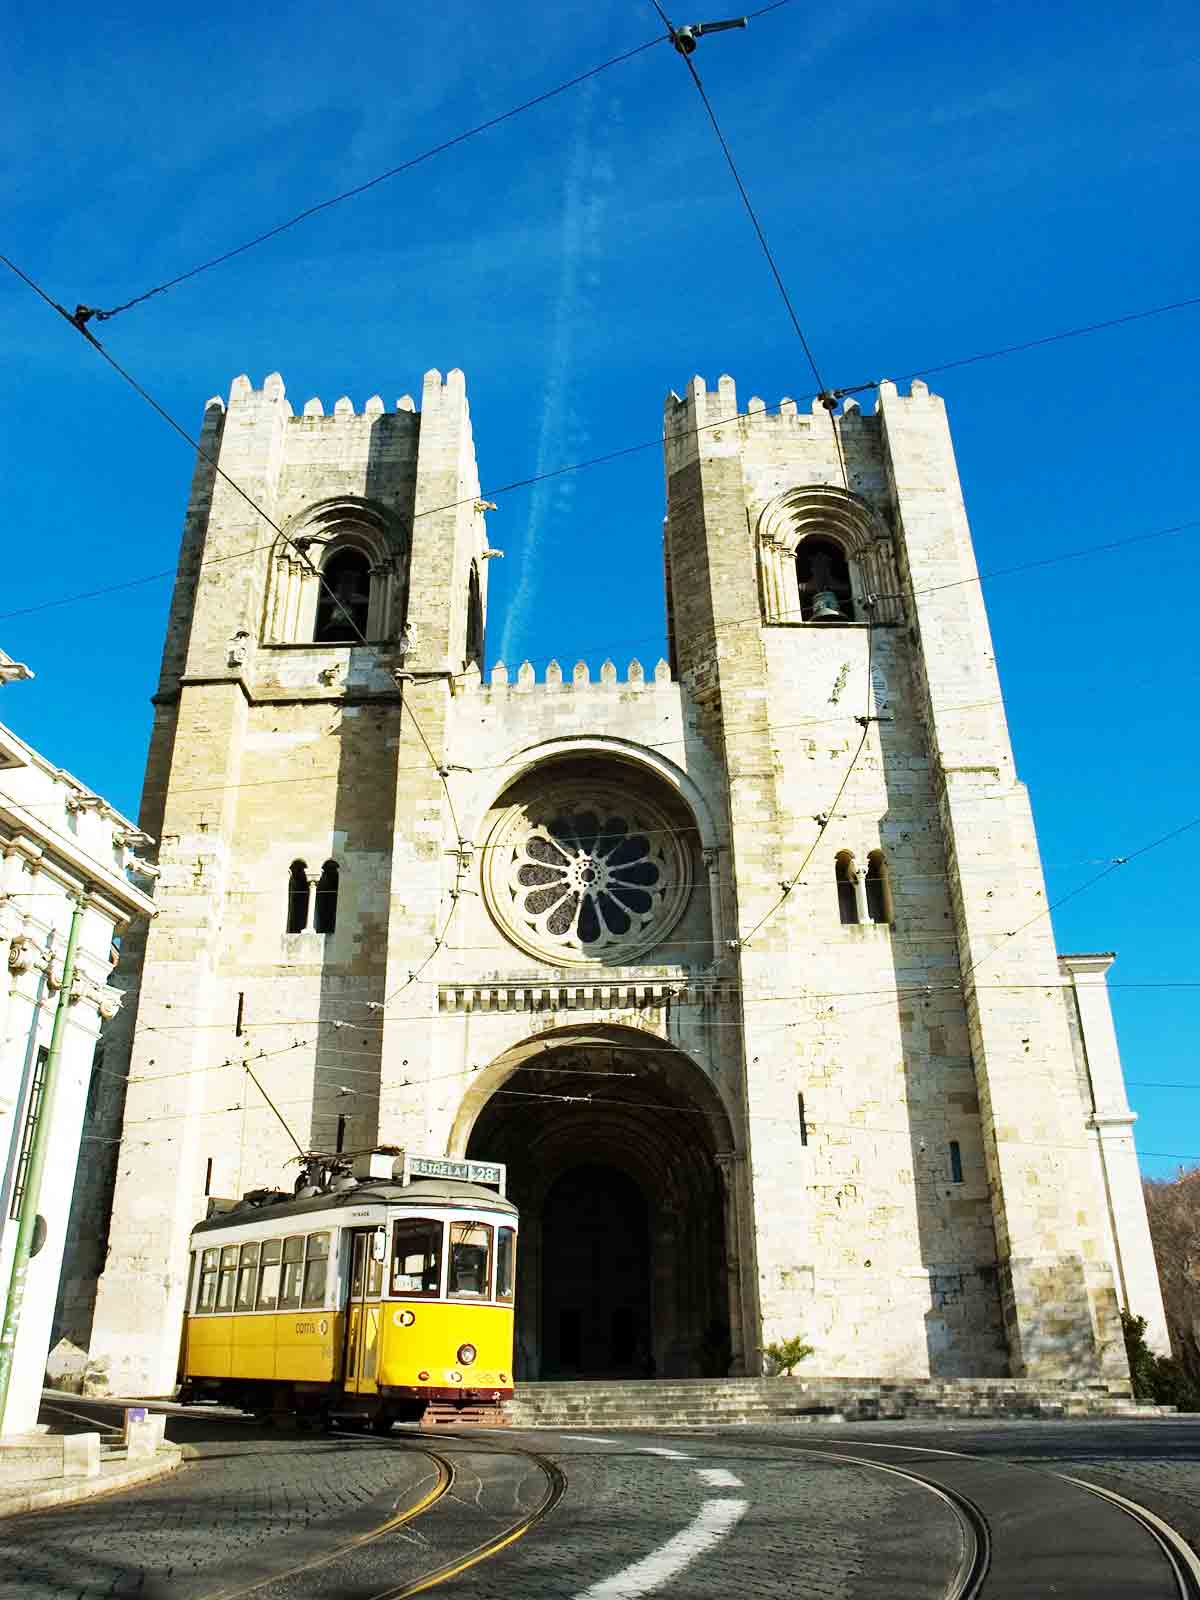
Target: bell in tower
823,576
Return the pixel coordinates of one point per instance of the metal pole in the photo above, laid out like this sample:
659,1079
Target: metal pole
31,1193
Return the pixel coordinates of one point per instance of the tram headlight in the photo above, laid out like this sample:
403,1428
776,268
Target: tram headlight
466,1354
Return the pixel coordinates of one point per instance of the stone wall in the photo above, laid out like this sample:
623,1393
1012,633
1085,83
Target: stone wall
908,1182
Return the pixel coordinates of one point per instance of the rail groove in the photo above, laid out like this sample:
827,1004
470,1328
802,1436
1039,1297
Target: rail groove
445,1480
1181,1558
556,1486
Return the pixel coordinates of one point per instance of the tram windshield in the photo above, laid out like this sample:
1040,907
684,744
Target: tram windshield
470,1261
416,1256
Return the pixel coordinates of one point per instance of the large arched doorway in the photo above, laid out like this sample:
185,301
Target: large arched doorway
612,1140
595,1276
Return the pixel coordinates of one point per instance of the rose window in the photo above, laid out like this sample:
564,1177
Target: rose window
589,875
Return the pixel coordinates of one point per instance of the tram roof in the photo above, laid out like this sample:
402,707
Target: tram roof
441,1192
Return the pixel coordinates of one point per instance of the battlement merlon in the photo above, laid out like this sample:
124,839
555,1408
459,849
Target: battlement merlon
707,423
555,681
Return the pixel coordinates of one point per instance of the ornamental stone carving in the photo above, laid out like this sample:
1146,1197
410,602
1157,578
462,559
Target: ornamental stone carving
106,1001
586,872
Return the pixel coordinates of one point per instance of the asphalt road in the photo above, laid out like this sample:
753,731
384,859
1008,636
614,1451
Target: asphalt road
783,1511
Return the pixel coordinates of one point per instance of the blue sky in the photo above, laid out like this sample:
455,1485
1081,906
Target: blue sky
934,180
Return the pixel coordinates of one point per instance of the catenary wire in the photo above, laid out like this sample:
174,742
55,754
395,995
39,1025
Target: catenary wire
1119,861
412,977
816,1123
649,444
371,183
405,700
825,818
828,402
86,313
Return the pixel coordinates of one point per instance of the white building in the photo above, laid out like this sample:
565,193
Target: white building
60,846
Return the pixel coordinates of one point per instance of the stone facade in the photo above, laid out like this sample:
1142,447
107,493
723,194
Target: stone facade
60,844
746,949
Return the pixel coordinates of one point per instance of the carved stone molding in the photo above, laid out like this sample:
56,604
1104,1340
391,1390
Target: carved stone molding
624,994
106,1001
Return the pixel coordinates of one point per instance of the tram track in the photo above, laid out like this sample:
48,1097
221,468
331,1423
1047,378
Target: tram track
442,1485
1180,1557
556,1486
967,1581
1181,1560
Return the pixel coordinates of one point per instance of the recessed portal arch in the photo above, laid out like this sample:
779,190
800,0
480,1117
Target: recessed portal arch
615,1144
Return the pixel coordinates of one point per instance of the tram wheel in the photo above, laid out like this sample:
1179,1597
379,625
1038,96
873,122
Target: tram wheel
382,1424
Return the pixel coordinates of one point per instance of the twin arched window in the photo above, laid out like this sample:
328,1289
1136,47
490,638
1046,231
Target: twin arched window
863,896
319,892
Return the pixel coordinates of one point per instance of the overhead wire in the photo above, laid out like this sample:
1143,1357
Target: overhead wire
1114,865
405,699
86,313
613,455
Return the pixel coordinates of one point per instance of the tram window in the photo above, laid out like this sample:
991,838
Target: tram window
293,1273
470,1253
315,1268
268,1274
225,1282
247,1277
416,1256
505,1260
374,1279
206,1294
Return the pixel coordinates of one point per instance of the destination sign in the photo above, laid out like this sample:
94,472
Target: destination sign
489,1173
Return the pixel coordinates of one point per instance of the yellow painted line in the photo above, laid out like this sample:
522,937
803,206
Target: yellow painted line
445,1477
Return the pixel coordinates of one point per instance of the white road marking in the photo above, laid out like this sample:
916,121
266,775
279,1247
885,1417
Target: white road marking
671,1455
718,1478
587,1438
715,1522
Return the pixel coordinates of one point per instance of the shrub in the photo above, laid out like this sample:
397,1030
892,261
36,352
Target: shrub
1158,1379
788,1353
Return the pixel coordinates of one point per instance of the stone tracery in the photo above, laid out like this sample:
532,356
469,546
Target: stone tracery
586,872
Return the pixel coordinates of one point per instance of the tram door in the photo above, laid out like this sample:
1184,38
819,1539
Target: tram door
364,1313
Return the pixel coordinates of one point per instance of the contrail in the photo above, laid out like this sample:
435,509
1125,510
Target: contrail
585,202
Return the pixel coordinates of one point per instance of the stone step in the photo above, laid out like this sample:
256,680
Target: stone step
692,1402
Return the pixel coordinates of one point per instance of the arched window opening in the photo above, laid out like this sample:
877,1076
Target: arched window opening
325,909
846,886
474,621
297,905
879,894
823,576
344,599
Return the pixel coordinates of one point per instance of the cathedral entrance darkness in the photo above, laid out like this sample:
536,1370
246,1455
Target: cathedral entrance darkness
596,1299
611,1141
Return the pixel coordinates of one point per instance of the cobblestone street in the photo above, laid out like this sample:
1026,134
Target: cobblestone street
845,1511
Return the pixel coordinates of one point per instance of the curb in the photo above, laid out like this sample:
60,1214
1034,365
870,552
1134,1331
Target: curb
71,1491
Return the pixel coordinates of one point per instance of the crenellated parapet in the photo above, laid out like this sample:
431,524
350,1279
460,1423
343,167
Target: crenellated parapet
580,679
707,421
436,392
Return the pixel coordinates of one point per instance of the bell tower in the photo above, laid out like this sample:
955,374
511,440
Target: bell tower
915,1149
331,580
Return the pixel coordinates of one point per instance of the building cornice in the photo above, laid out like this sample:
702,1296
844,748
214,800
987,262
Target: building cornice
101,882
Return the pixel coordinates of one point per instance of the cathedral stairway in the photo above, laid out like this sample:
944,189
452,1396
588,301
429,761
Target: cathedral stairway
694,1402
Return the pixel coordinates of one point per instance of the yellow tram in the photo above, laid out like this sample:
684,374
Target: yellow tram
371,1294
